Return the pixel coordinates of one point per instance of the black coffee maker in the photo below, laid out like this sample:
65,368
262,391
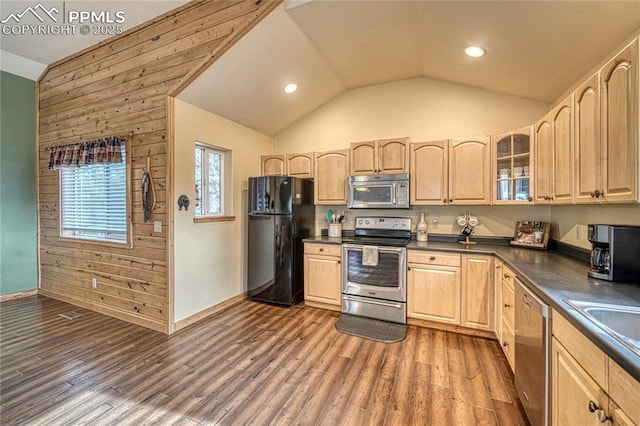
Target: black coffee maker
615,252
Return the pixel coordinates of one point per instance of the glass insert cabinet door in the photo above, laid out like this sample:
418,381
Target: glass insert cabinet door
512,167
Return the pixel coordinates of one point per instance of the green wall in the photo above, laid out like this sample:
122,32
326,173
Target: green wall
18,248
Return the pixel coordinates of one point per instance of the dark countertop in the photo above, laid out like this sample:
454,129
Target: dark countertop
554,278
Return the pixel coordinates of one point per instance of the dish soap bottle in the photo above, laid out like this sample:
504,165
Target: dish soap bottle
421,229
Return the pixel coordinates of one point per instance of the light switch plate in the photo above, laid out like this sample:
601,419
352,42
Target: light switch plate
157,226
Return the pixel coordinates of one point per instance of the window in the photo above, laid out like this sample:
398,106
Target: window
93,201
210,173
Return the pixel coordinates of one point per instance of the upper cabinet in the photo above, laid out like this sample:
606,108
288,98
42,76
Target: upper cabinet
470,171
450,172
554,154
273,165
606,132
386,156
587,137
332,170
429,177
297,165
619,112
512,167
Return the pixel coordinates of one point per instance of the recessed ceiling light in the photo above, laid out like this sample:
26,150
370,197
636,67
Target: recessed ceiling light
290,88
475,51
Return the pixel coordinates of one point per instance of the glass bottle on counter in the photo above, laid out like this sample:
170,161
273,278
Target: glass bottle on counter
421,229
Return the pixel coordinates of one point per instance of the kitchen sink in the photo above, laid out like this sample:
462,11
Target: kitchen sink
622,322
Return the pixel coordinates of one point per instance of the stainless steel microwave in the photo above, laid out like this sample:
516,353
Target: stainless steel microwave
379,191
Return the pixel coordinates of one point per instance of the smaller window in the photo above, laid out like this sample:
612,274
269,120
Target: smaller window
209,178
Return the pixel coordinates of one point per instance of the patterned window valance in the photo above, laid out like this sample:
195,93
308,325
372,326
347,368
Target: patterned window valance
100,151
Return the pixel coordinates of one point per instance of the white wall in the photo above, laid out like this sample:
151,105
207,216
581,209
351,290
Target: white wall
209,257
421,108
566,220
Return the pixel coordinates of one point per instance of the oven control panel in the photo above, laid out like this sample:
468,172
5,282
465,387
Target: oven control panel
392,223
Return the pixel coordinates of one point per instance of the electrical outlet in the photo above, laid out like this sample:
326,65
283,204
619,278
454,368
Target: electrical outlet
435,223
94,282
157,226
578,232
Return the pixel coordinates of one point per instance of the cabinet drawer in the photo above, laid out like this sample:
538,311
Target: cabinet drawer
588,355
507,276
508,344
433,258
508,304
324,249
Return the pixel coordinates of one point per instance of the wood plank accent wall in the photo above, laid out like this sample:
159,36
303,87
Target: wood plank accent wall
120,86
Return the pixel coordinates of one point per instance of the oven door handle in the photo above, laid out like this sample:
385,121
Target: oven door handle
375,302
383,249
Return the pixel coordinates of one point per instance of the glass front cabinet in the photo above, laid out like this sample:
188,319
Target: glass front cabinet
512,167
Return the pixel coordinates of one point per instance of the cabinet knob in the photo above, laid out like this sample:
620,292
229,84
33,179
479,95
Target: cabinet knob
408,268
505,344
444,201
432,258
593,407
529,198
506,305
338,262
451,200
507,276
321,249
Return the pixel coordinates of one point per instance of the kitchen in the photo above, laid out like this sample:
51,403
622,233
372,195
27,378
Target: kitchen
477,112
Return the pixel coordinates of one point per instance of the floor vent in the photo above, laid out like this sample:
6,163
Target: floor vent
71,315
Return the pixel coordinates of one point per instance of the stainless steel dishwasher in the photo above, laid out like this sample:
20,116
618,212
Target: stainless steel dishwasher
533,339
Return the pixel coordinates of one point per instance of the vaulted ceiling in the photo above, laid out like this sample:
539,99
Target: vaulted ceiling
535,49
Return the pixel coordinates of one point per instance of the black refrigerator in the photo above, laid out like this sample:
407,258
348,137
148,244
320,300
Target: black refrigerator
281,214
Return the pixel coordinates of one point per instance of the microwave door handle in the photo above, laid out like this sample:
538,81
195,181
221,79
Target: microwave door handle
395,192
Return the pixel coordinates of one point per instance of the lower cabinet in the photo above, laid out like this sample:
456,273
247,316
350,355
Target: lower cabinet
587,387
433,293
322,275
451,288
477,292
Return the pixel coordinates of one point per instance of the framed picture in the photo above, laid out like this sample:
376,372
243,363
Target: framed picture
531,234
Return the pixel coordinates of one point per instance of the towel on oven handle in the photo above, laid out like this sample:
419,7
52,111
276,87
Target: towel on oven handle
370,256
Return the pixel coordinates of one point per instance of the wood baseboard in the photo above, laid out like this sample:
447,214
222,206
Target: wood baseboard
18,295
453,328
179,325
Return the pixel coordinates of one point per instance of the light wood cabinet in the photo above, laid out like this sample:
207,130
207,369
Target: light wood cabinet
322,275
451,288
512,158
386,156
450,172
470,171
587,139
300,165
273,165
507,314
433,286
477,292
429,177
588,387
297,165
554,149
619,112
572,391
332,170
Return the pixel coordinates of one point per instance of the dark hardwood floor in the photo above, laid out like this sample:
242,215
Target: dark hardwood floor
253,363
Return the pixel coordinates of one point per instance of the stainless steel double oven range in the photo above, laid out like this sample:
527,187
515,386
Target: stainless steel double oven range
374,269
